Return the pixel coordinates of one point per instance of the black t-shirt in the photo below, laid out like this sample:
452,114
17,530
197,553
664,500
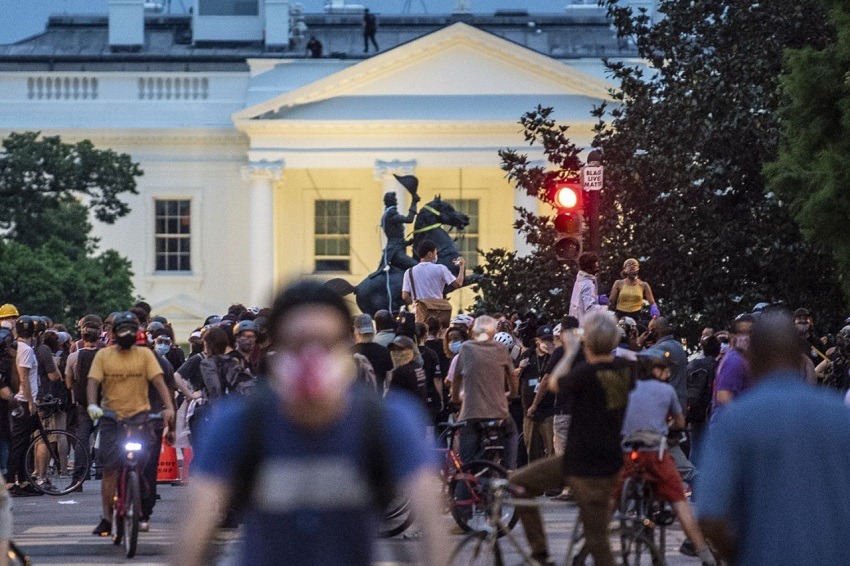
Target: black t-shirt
168,376
190,371
379,357
433,370
563,400
175,356
5,381
601,393
411,379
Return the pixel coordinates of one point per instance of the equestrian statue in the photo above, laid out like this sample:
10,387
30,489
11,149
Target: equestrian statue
381,289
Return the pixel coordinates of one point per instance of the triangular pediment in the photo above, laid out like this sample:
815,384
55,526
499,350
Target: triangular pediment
456,61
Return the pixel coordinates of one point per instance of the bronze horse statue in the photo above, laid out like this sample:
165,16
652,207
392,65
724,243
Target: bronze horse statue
382,288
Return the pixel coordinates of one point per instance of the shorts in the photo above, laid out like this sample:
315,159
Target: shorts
113,435
665,480
56,420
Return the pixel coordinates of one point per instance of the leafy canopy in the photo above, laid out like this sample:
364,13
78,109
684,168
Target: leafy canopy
812,168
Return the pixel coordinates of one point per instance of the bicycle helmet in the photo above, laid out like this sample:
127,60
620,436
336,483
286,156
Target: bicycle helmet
504,338
40,324
125,320
155,329
25,326
463,320
245,326
655,357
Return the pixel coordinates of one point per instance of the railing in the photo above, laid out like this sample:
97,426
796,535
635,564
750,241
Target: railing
62,88
173,88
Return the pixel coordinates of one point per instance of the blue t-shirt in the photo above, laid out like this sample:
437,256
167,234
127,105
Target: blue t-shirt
649,404
777,467
311,502
733,374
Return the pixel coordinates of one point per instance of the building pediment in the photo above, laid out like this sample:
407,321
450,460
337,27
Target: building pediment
455,64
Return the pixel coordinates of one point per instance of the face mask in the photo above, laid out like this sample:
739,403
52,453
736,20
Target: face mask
454,347
7,324
196,348
125,341
401,357
162,349
632,276
802,327
742,342
245,344
313,374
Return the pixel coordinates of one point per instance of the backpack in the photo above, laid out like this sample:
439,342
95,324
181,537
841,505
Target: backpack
374,459
700,382
224,375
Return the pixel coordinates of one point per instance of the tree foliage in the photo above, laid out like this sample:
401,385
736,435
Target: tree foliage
50,264
39,174
684,148
812,169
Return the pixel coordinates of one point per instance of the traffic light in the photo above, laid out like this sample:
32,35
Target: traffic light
566,196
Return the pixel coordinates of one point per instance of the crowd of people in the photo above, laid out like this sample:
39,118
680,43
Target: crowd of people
277,407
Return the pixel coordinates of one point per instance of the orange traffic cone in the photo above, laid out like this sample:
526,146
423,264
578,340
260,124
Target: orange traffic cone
166,471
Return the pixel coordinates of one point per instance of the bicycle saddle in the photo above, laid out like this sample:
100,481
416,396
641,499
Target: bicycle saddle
642,439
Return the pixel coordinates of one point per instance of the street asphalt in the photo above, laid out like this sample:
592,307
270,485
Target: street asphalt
57,530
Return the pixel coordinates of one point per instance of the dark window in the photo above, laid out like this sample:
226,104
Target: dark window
173,235
332,235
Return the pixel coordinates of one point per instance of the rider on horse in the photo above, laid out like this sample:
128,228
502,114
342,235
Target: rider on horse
395,254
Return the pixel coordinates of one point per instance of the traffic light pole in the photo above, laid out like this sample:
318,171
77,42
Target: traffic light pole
591,215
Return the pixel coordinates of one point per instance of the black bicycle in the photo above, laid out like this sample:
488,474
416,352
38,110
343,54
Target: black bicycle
50,457
127,503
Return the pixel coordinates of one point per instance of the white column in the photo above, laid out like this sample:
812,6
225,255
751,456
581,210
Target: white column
261,176
384,171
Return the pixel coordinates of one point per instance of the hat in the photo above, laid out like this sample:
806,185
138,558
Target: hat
409,182
802,312
401,343
544,332
631,262
656,357
8,311
363,324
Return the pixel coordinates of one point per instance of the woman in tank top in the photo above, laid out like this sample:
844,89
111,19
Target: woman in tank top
628,294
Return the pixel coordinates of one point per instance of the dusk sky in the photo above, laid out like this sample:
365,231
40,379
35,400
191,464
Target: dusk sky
23,18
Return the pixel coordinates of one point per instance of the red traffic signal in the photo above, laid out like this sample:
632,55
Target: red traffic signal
567,195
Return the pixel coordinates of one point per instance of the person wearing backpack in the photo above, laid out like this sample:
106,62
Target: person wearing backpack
311,456
701,374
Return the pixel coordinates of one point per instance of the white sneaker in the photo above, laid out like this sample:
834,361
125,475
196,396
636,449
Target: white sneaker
144,527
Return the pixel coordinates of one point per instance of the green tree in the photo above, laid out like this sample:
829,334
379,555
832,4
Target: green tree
684,149
38,175
50,261
812,169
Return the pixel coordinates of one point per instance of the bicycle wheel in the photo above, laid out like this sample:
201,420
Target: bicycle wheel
478,548
55,478
471,502
397,518
132,511
636,548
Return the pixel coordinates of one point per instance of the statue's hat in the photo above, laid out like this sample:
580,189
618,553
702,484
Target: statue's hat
409,182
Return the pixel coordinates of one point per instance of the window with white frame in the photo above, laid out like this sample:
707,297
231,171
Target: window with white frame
173,235
332,235
467,241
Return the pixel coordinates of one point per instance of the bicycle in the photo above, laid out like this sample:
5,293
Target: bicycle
469,510
47,458
127,502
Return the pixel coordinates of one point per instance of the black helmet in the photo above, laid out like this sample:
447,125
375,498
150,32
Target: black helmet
25,326
6,339
40,324
245,326
155,329
125,319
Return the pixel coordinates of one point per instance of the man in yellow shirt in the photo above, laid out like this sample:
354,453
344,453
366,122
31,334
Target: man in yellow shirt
123,372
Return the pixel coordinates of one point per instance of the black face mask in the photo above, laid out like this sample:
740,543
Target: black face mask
125,341
197,348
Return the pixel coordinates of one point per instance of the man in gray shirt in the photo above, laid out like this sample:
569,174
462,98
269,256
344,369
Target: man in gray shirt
484,372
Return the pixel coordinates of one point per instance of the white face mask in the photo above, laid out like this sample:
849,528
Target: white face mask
7,324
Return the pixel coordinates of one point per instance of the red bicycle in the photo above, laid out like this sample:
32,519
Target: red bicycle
463,483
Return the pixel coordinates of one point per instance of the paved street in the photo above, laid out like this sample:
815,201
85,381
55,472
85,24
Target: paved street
56,530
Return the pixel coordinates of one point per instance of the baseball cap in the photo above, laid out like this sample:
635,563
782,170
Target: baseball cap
401,343
802,312
363,324
544,332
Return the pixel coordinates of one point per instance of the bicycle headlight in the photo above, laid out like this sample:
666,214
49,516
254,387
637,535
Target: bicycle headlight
132,447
